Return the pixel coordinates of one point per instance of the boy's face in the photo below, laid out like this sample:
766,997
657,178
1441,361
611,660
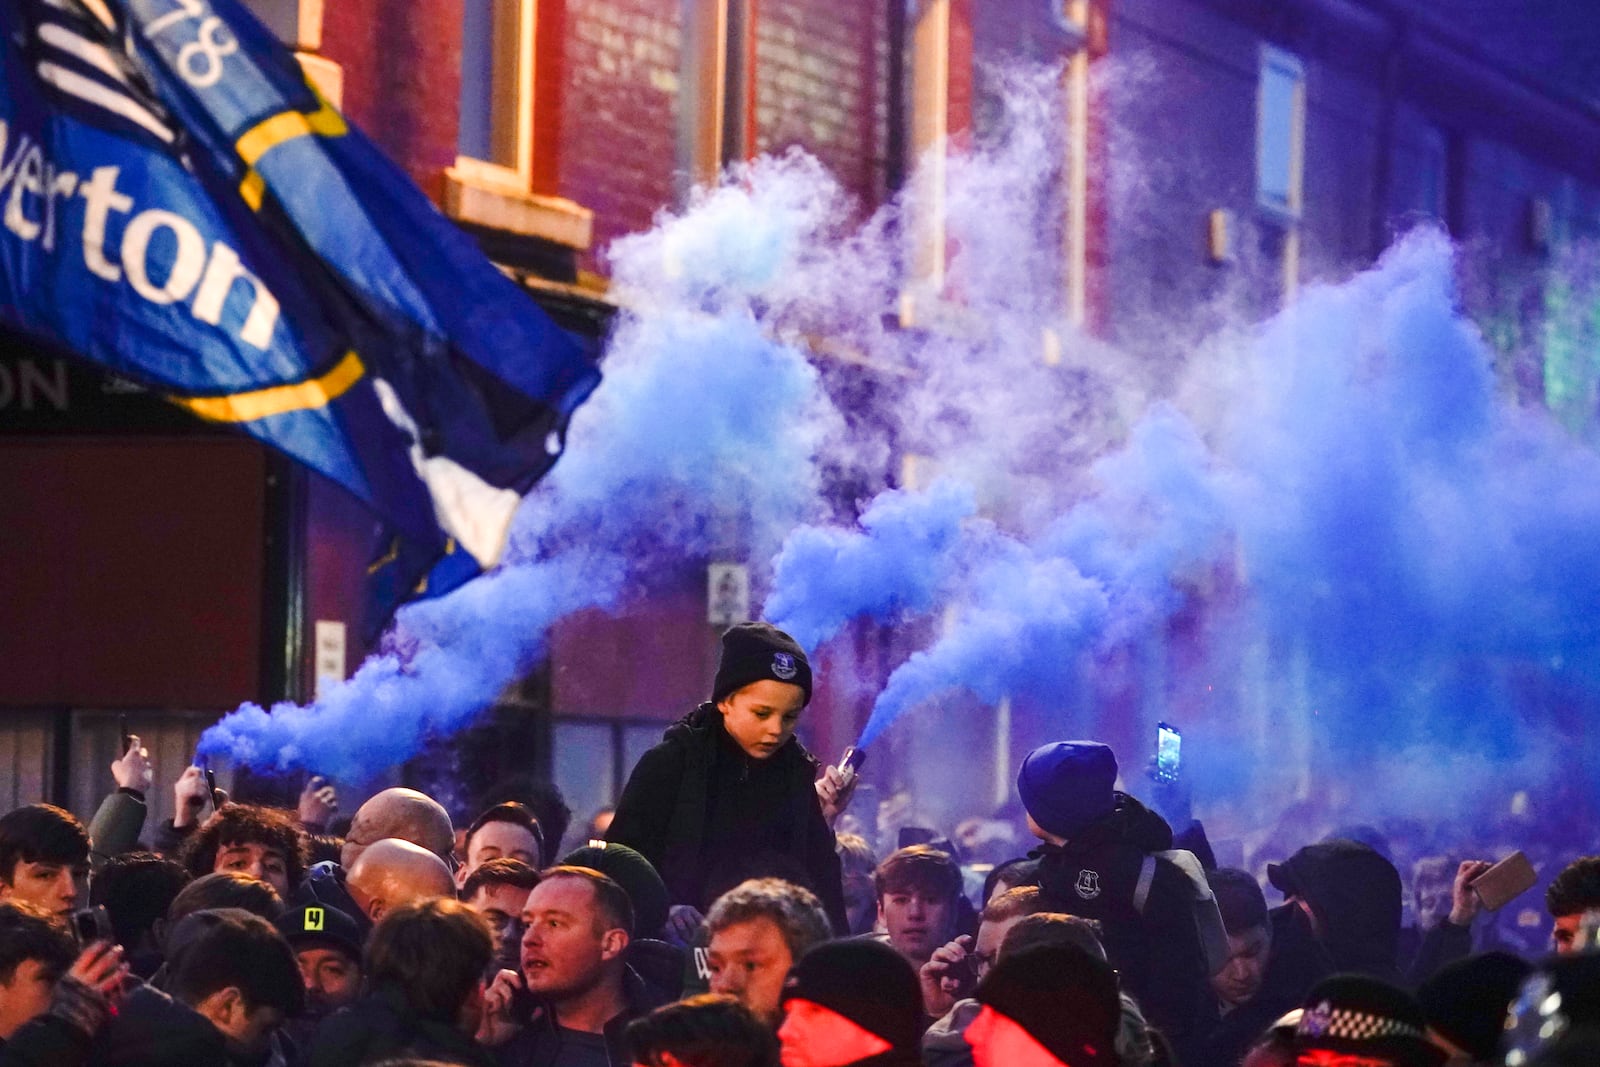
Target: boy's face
918,920
51,886
258,860
761,717
25,997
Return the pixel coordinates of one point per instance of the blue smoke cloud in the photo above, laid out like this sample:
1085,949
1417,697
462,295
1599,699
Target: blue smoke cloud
705,440
1400,570
1398,543
899,562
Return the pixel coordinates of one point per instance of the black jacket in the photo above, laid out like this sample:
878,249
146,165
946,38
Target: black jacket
1296,962
380,1026
151,1029
540,1043
708,816
47,1041
1157,950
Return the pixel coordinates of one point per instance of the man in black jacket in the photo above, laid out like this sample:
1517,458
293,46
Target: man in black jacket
729,793
425,963
578,926
1109,858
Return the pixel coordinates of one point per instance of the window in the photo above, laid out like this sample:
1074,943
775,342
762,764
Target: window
593,758
716,116
1280,133
496,138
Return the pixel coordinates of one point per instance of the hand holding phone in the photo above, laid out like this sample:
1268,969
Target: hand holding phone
1505,881
1169,751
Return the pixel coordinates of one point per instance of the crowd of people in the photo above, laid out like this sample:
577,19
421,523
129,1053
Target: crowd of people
722,916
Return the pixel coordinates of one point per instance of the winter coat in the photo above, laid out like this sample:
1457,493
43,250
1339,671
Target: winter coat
46,1041
704,813
1438,948
1355,894
540,1043
1106,872
1296,962
116,825
381,1026
151,1029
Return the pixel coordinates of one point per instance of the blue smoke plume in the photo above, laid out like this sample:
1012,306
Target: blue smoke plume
1366,562
705,439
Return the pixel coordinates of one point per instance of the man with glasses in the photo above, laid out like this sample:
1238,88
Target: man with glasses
953,969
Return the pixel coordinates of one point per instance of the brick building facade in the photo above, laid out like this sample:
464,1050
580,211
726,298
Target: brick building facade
1299,134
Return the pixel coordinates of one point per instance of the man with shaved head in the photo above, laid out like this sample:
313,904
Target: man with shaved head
399,813
392,872
403,815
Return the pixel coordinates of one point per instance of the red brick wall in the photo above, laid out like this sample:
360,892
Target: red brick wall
619,114
132,572
819,80
402,78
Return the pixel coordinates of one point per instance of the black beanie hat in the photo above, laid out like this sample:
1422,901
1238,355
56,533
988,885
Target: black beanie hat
868,983
637,877
1366,1016
1466,1002
1239,899
1066,999
756,651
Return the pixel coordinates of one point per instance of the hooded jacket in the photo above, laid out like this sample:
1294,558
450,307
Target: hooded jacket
706,815
1101,873
1355,894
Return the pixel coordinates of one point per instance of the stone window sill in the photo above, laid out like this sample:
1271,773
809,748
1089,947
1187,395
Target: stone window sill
470,199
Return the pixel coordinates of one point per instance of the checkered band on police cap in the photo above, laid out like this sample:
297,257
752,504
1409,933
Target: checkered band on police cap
1340,1024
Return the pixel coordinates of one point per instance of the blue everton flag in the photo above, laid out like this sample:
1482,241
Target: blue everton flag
178,205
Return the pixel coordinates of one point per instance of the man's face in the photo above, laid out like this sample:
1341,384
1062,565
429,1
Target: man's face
502,905
25,997
495,840
814,1036
52,887
1318,1057
1433,882
254,1031
332,978
917,920
1565,935
565,945
258,861
749,962
761,717
1240,978
991,935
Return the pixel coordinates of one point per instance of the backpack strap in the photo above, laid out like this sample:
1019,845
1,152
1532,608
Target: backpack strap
1147,875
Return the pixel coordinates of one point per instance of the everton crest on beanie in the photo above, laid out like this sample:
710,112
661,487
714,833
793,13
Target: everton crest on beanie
757,651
